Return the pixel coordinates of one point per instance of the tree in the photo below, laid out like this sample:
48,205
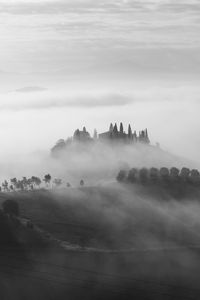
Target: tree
47,179
154,174
29,183
121,176
132,175
111,127
60,144
5,185
164,174
36,181
130,134
121,128
82,182
25,182
143,175
20,185
115,130
184,174
174,174
57,182
14,182
11,207
68,184
195,176
95,135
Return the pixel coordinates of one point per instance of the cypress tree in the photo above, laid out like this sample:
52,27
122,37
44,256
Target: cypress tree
95,135
129,131
121,128
111,127
115,130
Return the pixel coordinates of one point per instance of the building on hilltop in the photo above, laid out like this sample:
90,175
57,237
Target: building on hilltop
113,134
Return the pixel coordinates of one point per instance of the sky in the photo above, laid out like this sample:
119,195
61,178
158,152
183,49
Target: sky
69,63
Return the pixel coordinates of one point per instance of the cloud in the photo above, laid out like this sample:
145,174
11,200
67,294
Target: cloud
16,101
62,6
30,89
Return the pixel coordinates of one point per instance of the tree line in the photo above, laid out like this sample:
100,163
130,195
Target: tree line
155,175
34,182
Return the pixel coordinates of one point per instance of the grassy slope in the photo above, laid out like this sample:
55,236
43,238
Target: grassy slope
111,217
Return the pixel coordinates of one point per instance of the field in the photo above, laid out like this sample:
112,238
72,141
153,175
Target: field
104,242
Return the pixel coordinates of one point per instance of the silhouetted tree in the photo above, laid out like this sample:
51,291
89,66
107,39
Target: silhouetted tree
121,176
111,127
25,182
185,174
14,182
121,128
154,175
95,136
164,174
60,144
174,174
132,175
130,134
29,183
57,182
82,182
20,185
195,176
36,181
11,207
47,179
143,175
115,130
5,185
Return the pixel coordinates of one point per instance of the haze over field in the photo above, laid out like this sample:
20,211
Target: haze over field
66,64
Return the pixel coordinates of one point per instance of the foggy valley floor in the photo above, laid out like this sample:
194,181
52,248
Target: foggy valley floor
104,242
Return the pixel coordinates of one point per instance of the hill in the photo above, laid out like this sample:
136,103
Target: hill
107,242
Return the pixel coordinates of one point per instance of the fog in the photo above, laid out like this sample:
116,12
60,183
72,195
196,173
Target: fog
32,120
69,64
120,239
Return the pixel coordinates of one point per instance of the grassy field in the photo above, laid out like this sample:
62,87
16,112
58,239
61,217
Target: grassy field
105,242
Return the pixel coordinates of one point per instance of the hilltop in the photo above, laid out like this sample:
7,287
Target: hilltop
113,136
